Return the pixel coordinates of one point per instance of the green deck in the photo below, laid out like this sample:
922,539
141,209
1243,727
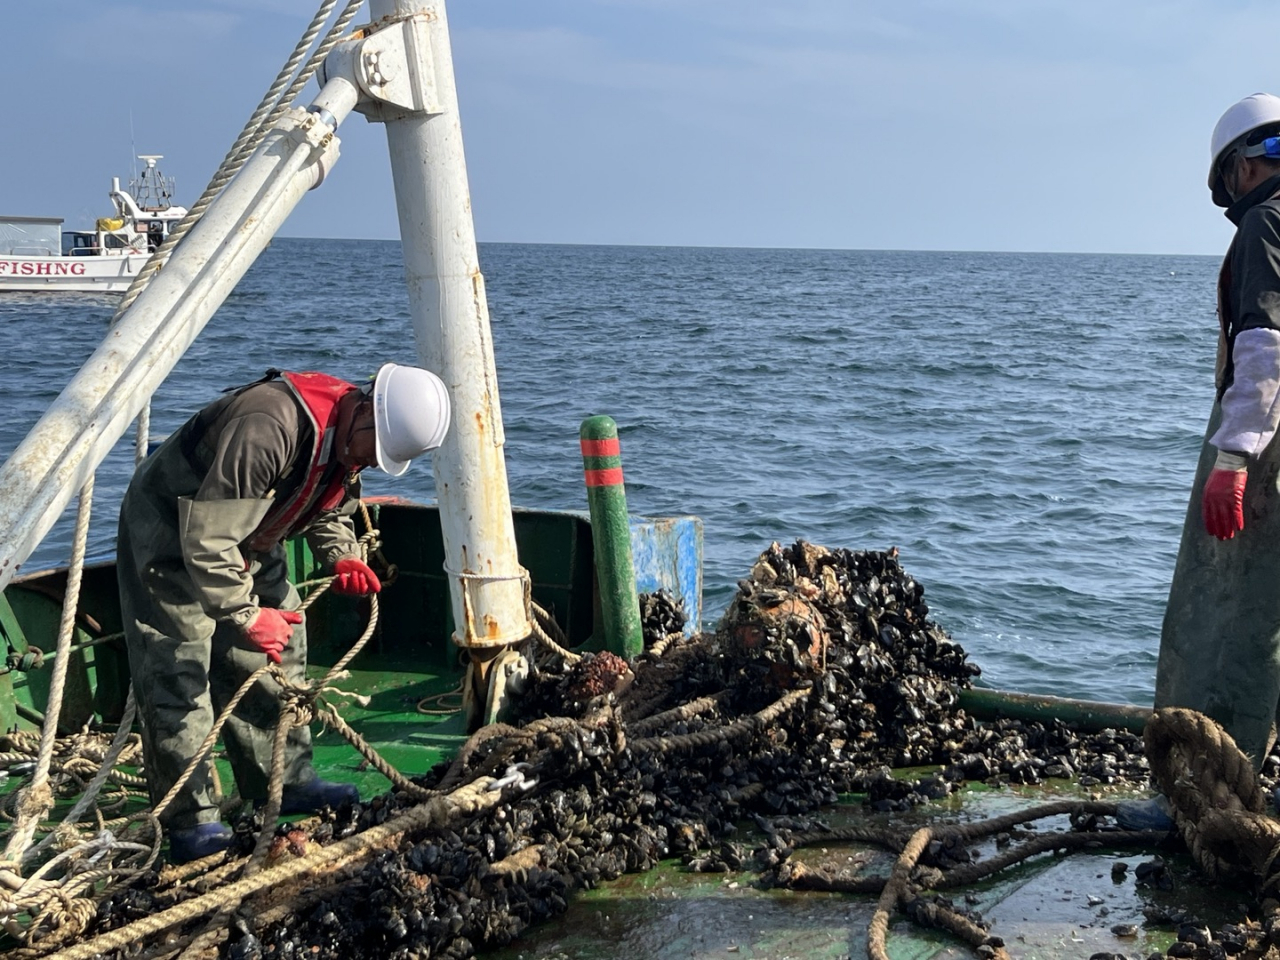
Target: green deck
410,741
1042,909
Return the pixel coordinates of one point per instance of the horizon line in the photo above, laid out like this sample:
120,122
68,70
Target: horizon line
715,246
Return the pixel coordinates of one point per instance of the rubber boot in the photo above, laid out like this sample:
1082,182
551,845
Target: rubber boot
1151,814
311,796
196,843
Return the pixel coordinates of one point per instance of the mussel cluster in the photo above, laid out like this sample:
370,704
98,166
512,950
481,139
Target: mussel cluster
665,756
661,615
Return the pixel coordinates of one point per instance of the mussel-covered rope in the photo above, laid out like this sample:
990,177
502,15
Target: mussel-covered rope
464,802
686,711
739,728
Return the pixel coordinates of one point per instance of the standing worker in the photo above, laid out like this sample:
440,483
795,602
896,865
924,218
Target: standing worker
204,589
1220,644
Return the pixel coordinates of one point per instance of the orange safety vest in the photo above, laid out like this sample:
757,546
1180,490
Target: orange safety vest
319,394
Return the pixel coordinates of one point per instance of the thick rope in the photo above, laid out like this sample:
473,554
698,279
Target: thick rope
1214,792
543,624
932,914
685,711
1043,843
894,890
376,760
253,132
464,802
706,738
660,647
37,798
123,733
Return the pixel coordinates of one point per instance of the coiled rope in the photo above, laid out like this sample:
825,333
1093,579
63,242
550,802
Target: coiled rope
1216,799
36,799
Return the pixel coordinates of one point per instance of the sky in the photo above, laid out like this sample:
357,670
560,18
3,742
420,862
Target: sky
1059,125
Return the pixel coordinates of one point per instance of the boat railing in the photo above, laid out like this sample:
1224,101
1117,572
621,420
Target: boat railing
30,250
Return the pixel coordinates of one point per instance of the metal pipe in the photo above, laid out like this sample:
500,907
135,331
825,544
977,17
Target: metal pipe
1085,715
82,425
611,536
451,324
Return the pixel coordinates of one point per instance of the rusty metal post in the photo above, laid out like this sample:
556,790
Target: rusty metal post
408,55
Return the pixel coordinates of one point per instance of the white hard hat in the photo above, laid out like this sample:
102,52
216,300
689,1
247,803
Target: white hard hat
1254,111
410,415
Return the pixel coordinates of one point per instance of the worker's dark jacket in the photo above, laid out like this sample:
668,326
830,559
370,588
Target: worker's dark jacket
247,471
1249,282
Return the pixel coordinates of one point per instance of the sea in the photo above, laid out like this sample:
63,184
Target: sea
1023,427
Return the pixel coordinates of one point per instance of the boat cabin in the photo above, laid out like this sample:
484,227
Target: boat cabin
30,236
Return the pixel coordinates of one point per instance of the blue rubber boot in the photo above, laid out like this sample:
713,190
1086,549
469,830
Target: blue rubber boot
195,843
311,796
1151,814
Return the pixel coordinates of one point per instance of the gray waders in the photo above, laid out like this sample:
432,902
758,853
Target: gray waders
185,666
1220,644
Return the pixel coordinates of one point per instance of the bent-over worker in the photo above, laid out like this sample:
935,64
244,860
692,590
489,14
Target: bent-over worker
203,581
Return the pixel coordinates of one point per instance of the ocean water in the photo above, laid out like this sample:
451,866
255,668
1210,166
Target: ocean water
1023,427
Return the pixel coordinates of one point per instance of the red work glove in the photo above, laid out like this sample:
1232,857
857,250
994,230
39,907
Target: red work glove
271,630
354,578
1222,503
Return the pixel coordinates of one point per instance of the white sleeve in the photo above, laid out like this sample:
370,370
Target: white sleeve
1251,405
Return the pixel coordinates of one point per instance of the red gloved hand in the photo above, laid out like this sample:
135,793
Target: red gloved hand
271,630
1222,504
354,578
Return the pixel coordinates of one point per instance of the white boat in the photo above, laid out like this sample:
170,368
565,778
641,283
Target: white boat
37,254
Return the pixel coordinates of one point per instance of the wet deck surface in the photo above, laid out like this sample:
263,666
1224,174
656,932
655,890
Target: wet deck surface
1054,906
1051,907
409,740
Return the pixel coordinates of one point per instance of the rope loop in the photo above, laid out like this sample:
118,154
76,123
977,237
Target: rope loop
1217,801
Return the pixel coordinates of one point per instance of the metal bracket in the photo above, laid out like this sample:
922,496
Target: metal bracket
393,67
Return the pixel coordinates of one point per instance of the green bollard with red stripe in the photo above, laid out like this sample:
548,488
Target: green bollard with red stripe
611,534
